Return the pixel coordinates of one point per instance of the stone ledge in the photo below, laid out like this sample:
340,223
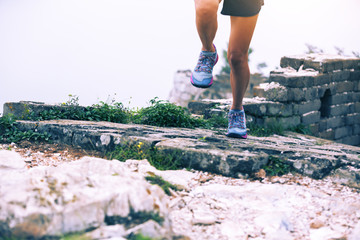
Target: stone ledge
207,150
23,108
320,62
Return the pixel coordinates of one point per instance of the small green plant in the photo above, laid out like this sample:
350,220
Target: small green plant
162,183
160,113
139,236
165,114
75,236
276,167
265,131
138,151
301,129
9,132
73,100
129,150
114,112
216,122
134,218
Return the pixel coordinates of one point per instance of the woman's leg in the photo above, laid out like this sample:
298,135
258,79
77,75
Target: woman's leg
242,29
206,22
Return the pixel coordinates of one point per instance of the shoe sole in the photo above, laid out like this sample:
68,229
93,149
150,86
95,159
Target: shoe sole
201,86
234,135
212,79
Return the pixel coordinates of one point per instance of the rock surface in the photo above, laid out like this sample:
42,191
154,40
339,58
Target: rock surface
212,151
75,197
209,206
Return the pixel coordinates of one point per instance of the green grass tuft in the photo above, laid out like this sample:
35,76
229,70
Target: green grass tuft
165,114
139,236
265,131
162,183
139,151
9,132
277,167
75,236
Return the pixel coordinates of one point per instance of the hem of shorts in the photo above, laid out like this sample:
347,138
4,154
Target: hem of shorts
240,15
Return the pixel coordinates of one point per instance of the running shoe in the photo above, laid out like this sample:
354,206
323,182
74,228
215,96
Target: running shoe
237,124
202,75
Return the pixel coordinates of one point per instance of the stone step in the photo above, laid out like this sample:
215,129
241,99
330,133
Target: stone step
208,150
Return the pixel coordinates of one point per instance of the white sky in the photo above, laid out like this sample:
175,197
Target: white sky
96,48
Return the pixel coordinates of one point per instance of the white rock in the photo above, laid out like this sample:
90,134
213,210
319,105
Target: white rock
180,178
273,221
203,218
232,230
75,196
12,160
324,233
149,229
355,234
105,232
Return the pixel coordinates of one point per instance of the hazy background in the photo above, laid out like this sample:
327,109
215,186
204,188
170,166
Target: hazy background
97,48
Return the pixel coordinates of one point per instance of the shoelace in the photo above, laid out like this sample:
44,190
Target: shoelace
237,120
205,63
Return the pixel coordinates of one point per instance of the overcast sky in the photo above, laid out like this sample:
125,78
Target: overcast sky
96,48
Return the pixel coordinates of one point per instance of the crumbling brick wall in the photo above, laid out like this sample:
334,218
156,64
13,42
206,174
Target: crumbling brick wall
323,92
316,90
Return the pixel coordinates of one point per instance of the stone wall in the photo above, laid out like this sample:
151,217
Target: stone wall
316,90
183,92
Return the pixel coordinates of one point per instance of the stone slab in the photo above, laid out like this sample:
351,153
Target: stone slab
294,79
310,118
354,75
320,62
341,98
345,86
342,132
335,122
22,109
205,149
306,107
340,109
351,140
285,122
340,76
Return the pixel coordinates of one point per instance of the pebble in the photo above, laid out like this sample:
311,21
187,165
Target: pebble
316,224
203,218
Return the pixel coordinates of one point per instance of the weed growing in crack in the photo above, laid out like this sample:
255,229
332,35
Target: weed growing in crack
265,131
139,236
165,114
277,167
301,129
138,151
134,218
9,132
114,112
157,180
75,236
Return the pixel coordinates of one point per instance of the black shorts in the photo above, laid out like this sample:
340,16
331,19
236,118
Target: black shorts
242,8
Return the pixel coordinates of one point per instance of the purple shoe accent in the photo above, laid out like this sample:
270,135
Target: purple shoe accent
200,86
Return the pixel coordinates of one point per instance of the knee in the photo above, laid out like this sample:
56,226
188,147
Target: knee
237,59
206,8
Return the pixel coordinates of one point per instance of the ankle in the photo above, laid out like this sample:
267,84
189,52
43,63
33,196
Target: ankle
210,48
237,108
